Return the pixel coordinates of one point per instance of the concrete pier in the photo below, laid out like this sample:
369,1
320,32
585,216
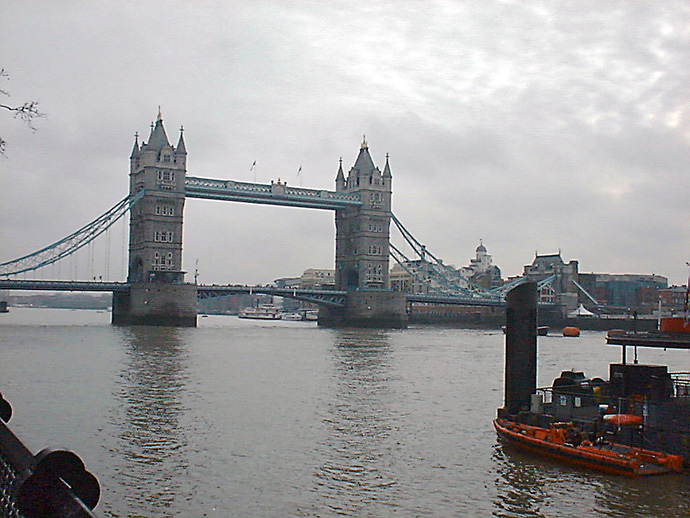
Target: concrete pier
368,308
156,304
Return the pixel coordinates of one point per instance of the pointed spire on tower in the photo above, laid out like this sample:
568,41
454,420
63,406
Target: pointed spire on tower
364,164
135,149
158,137
387,169
181,149
340,177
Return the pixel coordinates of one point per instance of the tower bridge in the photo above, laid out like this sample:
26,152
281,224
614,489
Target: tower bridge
155,291
362,205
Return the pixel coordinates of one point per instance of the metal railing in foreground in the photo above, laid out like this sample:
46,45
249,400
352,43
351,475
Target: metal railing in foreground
53,483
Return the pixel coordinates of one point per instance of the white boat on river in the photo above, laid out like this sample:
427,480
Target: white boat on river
266,312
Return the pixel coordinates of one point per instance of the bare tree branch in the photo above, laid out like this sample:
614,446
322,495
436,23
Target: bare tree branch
26,112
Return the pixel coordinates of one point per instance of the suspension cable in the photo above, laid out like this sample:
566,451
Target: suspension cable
70,244
435,268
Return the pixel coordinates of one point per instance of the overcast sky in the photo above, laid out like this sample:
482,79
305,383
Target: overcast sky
536,126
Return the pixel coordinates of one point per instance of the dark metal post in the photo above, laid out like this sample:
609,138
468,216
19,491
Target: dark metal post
521,347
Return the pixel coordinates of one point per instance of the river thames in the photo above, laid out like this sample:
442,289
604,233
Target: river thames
285,419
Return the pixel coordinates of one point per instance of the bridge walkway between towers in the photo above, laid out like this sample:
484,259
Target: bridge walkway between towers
268,194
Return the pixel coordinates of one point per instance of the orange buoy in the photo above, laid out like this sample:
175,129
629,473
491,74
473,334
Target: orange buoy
571,331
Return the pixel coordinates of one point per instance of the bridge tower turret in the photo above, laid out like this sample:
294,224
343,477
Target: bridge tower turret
362,233
155,237
362,249
157,294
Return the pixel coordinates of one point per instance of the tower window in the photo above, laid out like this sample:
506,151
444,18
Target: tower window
166,176
162,261
163,236
165,210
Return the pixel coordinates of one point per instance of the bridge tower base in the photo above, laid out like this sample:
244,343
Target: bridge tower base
156,304
367,308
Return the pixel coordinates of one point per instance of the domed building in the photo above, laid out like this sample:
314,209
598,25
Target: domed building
481,271
413,276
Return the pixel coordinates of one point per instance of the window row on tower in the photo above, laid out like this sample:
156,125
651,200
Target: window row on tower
166,175
354,226
163,236
375,200
162,261
165,210
374,273
166,179
372,250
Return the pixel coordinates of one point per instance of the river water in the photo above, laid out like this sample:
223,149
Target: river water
240,418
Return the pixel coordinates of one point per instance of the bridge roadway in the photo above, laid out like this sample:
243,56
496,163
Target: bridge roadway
268,194
36,285
327,297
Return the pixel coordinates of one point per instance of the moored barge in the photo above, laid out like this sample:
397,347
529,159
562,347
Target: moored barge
640,407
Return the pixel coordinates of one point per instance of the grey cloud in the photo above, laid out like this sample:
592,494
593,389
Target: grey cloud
533,125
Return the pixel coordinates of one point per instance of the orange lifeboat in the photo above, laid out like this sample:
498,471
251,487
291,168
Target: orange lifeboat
623,419
571,331
561,442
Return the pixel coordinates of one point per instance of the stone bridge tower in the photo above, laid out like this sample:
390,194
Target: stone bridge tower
155,236
362,233
157,294
362,249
